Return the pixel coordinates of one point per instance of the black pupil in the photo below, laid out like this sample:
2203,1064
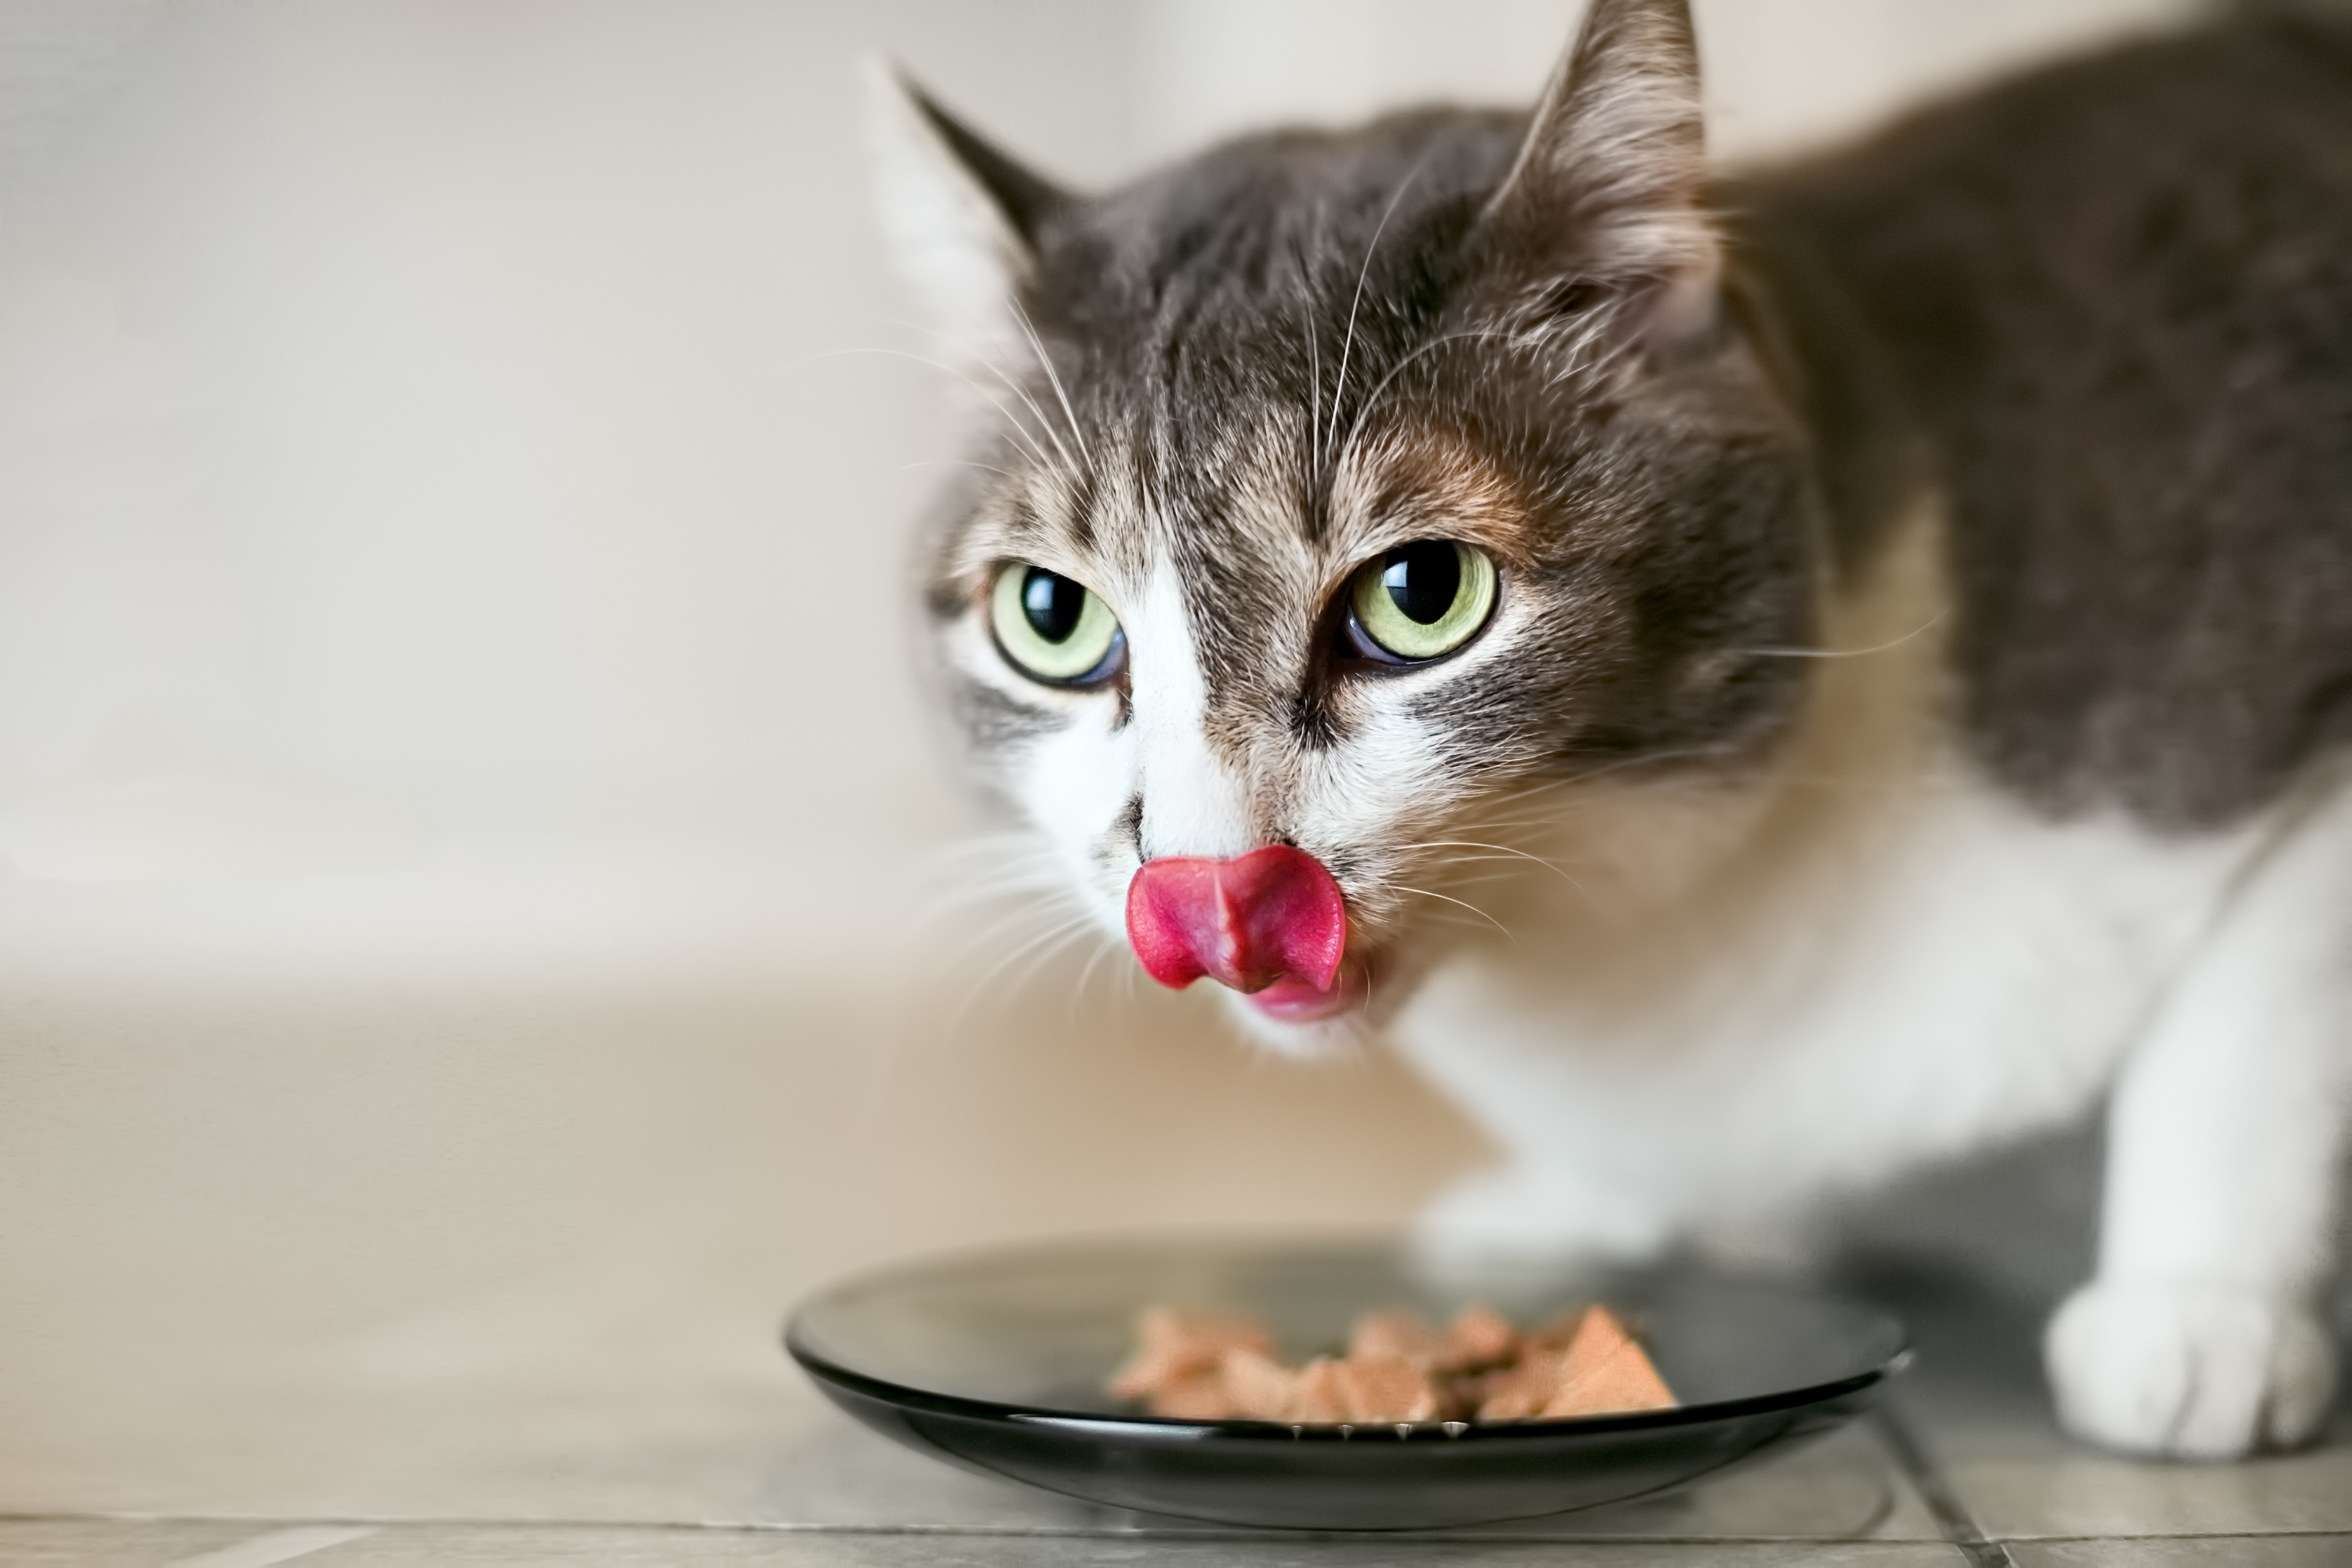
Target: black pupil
1423,579
1052,603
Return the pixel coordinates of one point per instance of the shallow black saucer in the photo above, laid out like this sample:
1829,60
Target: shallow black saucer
995,1361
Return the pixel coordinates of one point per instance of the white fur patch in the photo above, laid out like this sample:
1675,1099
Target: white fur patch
1194,803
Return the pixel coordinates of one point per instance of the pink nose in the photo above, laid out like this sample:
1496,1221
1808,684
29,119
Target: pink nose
1246,923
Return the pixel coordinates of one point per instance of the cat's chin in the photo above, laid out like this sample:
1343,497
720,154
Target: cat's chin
1291,1000
1313,1040
1286,1002
1292,1019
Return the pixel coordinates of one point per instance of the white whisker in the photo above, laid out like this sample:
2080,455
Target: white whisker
1347,343
1473,844
956,463
1017,428
1046,362
1382,386
1038,948
1103,949
1076,931
1922,629
1474,909
1314,391
964,347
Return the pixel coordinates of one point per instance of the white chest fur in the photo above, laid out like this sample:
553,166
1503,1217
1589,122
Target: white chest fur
1938,971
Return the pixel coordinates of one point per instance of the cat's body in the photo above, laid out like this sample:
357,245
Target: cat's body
1908,707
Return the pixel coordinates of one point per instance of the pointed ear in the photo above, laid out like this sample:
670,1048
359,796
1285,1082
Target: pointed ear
961,218
1610,187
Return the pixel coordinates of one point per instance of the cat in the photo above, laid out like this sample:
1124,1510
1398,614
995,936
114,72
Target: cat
1749,684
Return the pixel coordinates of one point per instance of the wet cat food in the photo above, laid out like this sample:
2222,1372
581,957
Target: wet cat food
1201,1366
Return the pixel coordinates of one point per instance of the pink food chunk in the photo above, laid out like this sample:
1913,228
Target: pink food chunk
1396,1335
1320,1394
1173,1346
1386,1389
1195,1396
1478,1337
1203,1366
1606,1373
1521,1390
1560,1332
1258,1387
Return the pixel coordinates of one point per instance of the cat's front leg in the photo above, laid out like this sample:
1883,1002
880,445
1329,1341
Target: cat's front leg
2205,1333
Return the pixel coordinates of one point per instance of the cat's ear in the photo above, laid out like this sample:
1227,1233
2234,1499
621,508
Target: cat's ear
1609,190
961,217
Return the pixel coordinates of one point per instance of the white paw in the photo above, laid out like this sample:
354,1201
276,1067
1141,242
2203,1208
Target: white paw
1511,1213
2186,1371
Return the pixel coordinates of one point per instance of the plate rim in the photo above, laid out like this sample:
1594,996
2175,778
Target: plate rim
1161,1428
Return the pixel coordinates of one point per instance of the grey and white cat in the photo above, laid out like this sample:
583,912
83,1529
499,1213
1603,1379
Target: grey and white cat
1749,686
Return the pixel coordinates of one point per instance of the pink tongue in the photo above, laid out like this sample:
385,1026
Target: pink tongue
1273,914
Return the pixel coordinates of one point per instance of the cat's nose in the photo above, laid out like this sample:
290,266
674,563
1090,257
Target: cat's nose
1247,921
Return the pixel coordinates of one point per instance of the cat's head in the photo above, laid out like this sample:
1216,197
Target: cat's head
1354,509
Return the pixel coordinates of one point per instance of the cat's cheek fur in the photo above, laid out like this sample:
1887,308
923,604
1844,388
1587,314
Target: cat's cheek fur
1072,786
1063,763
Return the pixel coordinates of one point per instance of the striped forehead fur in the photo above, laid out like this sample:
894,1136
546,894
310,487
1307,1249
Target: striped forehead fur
1272,376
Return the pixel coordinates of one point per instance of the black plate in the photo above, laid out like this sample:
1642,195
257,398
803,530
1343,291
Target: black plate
996,1361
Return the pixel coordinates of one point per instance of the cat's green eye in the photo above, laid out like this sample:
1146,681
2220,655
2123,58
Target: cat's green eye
1421,601
1051,628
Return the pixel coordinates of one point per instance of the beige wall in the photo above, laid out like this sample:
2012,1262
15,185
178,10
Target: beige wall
1782,75
447,522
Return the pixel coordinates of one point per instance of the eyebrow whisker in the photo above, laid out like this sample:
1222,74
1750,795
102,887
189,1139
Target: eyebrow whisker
1021,314
1347,344
991,398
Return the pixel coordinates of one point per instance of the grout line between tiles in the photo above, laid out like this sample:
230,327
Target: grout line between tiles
1952,1516
1980,1549
359,1524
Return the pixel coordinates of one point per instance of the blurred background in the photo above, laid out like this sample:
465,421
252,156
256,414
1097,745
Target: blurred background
468,835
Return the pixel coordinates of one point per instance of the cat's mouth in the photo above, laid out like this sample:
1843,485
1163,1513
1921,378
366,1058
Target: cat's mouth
1293,1001
1271,924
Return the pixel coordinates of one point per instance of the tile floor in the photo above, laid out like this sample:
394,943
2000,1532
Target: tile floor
499,1282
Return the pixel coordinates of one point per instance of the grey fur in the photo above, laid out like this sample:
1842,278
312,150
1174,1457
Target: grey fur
2117,296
